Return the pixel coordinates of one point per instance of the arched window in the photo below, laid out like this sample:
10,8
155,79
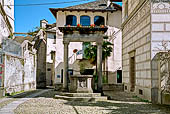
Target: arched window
99,20
85,20
71,20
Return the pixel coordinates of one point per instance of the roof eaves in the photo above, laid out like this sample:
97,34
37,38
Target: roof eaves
54,10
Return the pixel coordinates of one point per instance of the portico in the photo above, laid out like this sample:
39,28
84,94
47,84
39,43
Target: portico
83,34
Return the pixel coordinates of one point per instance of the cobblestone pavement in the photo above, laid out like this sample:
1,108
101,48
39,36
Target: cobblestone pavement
44,103
123,103
9,104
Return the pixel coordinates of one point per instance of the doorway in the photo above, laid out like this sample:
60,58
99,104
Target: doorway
61,75
132,74
119,76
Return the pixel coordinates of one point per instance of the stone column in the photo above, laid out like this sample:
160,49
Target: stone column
92,19
65,83
78,18
99,66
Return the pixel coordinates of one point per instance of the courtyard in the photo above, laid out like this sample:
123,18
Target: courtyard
42,102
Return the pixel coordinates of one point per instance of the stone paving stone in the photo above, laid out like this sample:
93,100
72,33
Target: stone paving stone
9,109
46,104
4,99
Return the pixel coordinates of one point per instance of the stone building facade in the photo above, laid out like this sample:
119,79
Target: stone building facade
17,67
111,13
50,53
39,43
145,26
45,43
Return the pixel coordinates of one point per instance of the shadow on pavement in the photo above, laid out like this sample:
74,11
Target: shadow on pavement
120,107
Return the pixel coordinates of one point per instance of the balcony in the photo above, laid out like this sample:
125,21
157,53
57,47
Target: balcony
83,34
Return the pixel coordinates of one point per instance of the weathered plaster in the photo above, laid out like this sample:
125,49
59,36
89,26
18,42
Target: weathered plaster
19,73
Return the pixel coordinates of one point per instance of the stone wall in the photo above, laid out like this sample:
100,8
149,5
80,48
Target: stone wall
129,5
113,87
11,46
145,31
160,27
137,45
161,79
160,17
29,70
41,65
19,73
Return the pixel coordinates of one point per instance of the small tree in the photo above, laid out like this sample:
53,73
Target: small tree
91,52
34,32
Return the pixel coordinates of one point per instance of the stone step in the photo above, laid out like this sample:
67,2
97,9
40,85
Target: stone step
80,94
82,99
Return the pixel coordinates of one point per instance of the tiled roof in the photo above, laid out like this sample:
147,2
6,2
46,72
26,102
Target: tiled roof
21,39
98,5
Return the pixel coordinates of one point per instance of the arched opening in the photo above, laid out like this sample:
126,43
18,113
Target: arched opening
85,20
99,20
71,20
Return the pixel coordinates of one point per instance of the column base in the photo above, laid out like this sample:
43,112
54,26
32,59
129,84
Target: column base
64,90
99,89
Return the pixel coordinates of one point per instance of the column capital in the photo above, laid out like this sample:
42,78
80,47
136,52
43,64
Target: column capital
66,42
100,42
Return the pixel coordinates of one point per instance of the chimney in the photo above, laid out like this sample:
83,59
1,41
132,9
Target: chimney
43,23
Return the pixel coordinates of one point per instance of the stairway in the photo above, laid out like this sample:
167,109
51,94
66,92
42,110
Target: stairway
83,97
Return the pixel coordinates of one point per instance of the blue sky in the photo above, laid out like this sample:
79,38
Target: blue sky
28,17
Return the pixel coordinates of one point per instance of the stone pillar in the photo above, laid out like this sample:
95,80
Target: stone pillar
78,18
53,54
92,19
99,66
65,83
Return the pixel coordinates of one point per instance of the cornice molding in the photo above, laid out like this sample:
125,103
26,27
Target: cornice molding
141,3
160,7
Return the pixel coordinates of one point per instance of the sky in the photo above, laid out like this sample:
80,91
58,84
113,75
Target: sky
28,17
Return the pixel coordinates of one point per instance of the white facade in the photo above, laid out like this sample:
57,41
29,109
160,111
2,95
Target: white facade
51,46
50,60
114,62
113,21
